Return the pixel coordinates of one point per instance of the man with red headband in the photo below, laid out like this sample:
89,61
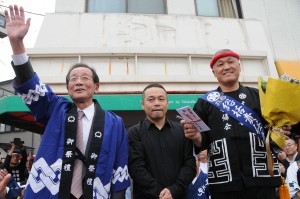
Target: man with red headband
236,141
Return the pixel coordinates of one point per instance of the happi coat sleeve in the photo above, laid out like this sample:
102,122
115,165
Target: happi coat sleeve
50,110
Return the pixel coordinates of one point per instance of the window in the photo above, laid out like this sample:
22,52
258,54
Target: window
104,6
2,20
207,8
146,6
126,6
3,32
2,127
218,8
7,128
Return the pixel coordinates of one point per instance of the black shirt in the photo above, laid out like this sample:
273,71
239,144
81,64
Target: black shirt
237,157
160,159
18,171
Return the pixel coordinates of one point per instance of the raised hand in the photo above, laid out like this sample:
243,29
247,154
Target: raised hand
4,180
16,28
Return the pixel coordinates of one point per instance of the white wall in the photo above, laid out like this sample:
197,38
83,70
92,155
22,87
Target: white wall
134,48
130,50
281,19
75,6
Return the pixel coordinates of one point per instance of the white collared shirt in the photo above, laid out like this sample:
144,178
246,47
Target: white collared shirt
87,123
203,167
293,160
20,59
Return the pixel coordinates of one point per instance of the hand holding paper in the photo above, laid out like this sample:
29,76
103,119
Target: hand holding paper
190,116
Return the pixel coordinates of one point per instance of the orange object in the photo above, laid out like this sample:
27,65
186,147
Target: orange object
283,190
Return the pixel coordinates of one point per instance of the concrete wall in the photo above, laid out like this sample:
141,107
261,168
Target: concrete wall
281,19
131,50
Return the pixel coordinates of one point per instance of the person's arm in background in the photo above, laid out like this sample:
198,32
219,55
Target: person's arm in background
13,147
7,160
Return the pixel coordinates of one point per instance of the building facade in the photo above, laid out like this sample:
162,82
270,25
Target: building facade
132,43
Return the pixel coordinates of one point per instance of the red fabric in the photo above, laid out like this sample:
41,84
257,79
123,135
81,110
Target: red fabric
221,55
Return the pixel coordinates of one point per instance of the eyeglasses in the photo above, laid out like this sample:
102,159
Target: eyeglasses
83,78
289,145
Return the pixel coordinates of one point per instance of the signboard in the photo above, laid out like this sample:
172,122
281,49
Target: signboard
108,102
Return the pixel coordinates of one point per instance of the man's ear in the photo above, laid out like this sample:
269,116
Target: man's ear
97,87
142,104
213,71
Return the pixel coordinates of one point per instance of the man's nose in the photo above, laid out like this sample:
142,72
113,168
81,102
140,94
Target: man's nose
79,81
159,103
226,65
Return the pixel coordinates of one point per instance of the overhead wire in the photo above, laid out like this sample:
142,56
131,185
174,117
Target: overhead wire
24,11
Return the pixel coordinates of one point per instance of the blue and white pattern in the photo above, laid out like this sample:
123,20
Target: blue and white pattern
120,174
101,191
291,179
236,110
45,176
34,94
199,189
50,109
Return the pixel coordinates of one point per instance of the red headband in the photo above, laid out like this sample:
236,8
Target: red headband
223,54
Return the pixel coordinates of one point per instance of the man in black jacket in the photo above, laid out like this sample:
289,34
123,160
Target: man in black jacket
236,142
161,161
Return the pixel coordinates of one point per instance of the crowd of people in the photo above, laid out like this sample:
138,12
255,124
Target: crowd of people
86,152
18,164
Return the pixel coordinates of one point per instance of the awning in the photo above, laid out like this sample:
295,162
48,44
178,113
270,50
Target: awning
14,112
290,68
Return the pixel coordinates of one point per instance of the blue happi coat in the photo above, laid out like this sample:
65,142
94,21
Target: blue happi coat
199,190
50,110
